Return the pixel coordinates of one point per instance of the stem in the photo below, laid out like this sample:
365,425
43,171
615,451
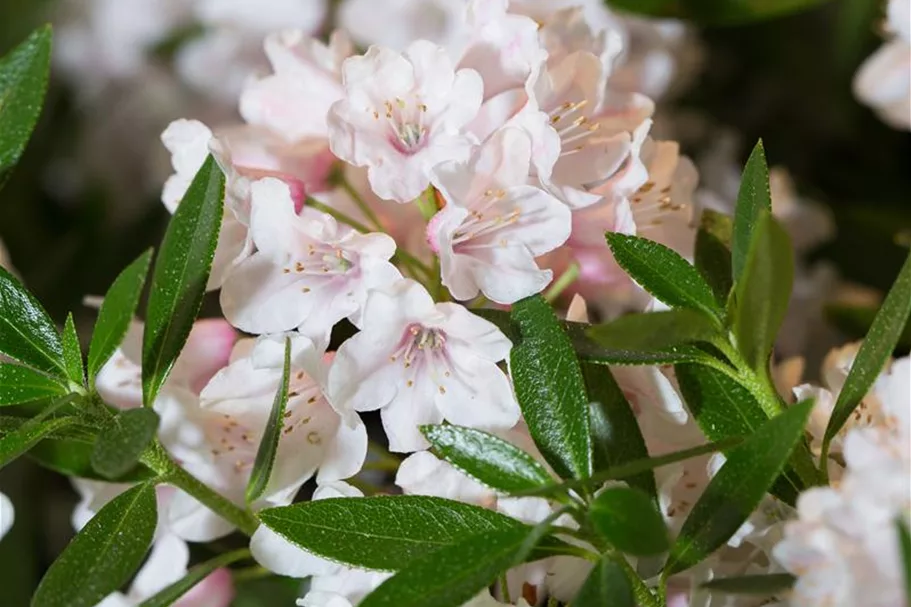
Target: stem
504,588
250,573
338,215
361,204
171,473
644,596
565,279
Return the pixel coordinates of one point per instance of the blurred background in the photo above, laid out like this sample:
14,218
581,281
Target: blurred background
84,200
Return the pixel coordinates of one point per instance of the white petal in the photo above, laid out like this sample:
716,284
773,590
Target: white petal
7,515
280,556
166,564
346,453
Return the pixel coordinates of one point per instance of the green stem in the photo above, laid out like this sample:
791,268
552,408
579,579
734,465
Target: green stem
250,573
504,588
563,282
368,212
171,473
338,215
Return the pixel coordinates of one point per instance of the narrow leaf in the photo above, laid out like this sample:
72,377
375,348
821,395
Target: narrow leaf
123,440
104,555
753,198
117,310
72,352
550,389
763,291
488,459
875,350
738,487
20,384
455,574
27,333
630,521
713,254
268,447
768,584
17,442
663,273
607,584
655,330
23,83
171,594
383,532
616,436
180,276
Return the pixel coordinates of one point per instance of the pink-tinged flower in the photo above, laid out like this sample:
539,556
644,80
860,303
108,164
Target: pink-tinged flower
418,362
217,436
402,114
884,80
494,224
397,23
294,100
308,272
7,515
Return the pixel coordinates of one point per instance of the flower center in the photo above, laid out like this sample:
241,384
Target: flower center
321,260
422,350
407,131
486,219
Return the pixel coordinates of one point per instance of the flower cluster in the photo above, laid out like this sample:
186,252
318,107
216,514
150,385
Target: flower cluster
883,82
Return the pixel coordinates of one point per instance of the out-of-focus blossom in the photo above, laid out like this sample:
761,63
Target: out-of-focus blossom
494,225
884,80
7,515
418,362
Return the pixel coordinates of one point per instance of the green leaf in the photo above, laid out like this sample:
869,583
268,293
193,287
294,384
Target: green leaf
382,532
616,437
72,352
171,594
655,330
180,276
104,555
455,574
768,584
268,447
20,384
23,83
27,333
738,487
716,12
904,539
17,442
117,310
73,457
123,440
763,291
663,273
753,198
607,584
874,352
488,459
629,520
550,389
713,253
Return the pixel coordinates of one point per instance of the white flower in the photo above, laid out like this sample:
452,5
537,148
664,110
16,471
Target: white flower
308,272
396,23
217,437
420,363
494,224
402,114
884,80
7,515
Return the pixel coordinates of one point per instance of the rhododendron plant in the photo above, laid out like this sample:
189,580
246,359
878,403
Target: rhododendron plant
477,338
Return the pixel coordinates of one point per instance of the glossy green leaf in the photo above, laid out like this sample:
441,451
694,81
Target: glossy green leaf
180,276
73,457
655,330
663,273
753,198
486,458
27,333
454,574
20,384
630,521
23,83
763,291
383,532
122,441
607,584
904,541
549,387
736,490
268,446
616,436
108,550
171,594
716,12
17,442
768,584
875,350
116,312
72,352
713,254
